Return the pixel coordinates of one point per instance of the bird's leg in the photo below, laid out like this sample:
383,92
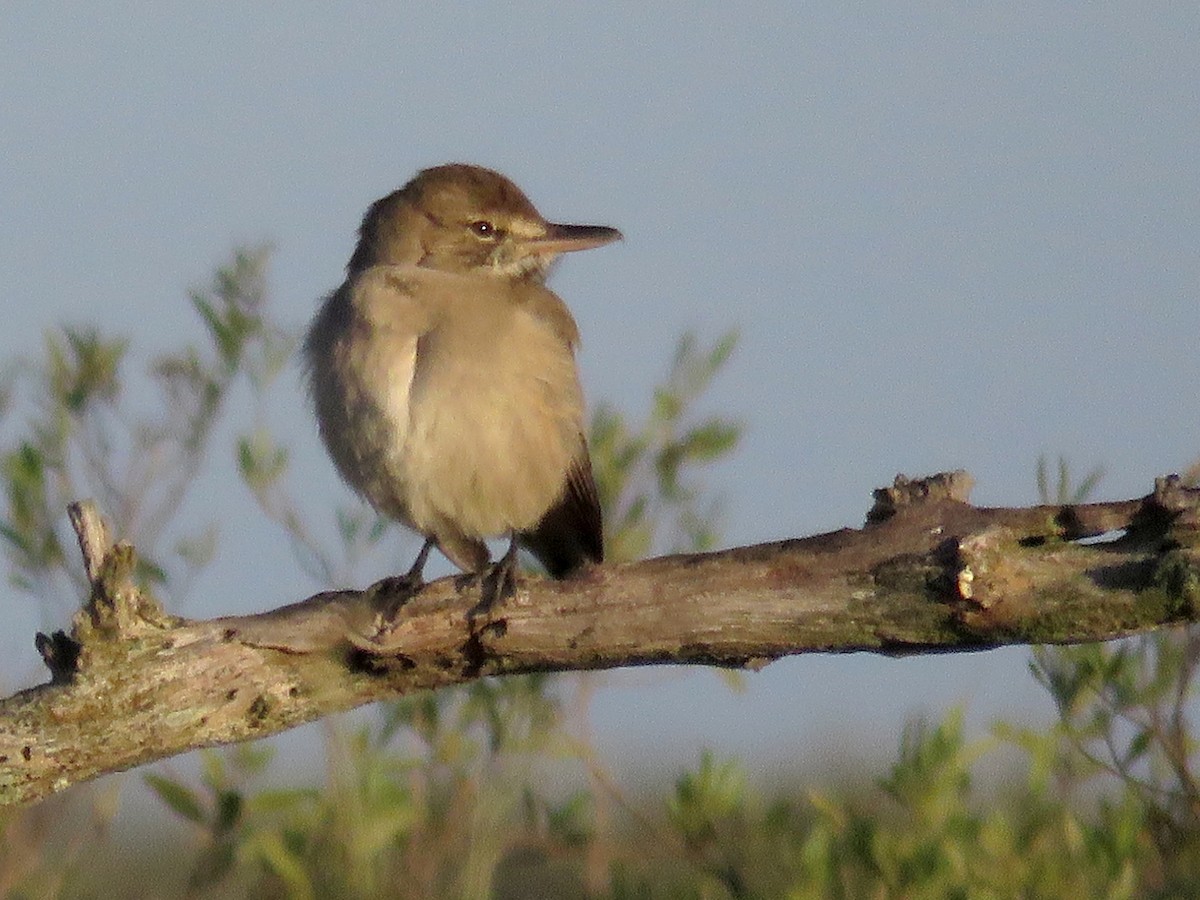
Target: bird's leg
399,589
501,581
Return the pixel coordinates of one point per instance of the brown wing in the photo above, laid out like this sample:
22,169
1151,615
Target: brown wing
570,535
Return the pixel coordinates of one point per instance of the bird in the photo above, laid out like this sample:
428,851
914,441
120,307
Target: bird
443,376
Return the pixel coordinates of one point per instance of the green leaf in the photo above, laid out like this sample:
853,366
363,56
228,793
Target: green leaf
260,460
229,810
1139,746
723,349
710,440
182,800
212,770
283,861
667,405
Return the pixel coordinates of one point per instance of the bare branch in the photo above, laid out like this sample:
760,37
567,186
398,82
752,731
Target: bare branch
928,573
92,532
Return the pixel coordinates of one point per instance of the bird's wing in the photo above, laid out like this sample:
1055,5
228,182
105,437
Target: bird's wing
571,533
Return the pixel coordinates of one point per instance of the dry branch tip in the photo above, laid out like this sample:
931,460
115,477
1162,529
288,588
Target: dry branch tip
92,533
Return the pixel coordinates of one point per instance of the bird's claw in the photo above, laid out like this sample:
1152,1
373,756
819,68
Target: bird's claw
388,596
500,582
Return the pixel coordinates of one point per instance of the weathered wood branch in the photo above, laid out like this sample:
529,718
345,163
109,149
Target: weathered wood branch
928,573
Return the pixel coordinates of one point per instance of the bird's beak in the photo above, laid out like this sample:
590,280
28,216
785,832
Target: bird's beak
566,238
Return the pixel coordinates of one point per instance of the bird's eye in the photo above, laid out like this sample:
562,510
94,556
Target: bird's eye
483,228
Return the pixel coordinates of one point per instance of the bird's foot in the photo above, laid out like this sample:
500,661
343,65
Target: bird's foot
497,582
500,582
388,595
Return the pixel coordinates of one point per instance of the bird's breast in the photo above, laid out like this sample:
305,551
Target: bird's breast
495,420
449,401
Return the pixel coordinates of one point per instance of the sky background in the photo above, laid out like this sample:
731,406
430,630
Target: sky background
952,239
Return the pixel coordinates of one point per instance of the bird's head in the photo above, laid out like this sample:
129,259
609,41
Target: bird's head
464,218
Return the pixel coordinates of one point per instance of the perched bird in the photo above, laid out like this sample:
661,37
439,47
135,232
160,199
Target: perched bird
444,379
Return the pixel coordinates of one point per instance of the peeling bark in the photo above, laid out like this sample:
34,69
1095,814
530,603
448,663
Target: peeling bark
927,573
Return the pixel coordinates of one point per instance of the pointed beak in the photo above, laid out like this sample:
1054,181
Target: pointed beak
567,238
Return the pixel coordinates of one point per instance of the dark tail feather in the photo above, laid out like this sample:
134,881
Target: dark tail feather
570,535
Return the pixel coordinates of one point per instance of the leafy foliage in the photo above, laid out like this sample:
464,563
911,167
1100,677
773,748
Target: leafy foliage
642,474
86,437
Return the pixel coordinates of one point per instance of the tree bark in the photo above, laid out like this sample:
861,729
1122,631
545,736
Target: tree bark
927,573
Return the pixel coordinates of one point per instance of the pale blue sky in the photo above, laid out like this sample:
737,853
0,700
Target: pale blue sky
951,239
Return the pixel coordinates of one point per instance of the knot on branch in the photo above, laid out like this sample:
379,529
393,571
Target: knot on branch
1172,508
904,492
989,577
60,654
1179,500
116,609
